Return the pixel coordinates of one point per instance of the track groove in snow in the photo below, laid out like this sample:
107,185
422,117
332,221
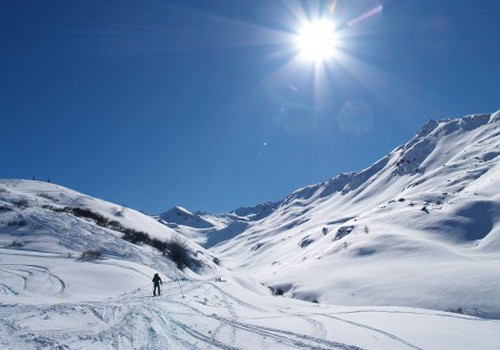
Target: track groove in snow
35,280
387,334
208,317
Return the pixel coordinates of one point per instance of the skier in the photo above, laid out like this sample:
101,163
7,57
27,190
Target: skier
156,281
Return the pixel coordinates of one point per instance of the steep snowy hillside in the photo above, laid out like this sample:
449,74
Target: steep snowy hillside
401,255
420,228
38,216
56,293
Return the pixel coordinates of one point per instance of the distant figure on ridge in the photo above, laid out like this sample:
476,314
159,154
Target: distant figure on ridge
156,281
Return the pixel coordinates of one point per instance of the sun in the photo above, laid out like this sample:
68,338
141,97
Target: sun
316,41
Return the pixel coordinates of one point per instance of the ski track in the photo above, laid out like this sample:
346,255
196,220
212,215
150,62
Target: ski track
35,280
229,307
291,339
300,341
458,316
237,300
387,334
321,330
131,322
206,317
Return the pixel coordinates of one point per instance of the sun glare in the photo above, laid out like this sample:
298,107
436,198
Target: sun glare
316,41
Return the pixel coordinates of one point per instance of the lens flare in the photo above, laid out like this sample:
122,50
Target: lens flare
368,14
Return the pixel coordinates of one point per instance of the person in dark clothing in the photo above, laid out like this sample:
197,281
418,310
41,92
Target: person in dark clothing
156,281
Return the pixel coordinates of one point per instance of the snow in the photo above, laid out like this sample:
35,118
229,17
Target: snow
66,304
401,255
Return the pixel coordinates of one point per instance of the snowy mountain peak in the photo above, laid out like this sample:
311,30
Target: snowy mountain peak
181,216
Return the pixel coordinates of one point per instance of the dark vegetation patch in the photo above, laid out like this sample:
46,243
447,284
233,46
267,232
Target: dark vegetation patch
98,218
4,208
17,244
21,203
91,255
175,249
136,237
47,196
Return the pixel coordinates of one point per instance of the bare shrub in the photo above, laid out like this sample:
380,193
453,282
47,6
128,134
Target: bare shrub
176,249
134,236
89,214
178,252
17,244
158,244
47,196
21,203
91,255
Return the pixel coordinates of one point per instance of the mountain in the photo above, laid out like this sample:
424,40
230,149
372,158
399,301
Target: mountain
419,227
401,255
209,229
39,216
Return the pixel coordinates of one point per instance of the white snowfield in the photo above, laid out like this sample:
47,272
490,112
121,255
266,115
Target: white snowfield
402,255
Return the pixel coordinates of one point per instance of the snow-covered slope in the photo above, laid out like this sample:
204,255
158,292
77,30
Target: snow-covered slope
401,255
51,298
38,216
420,228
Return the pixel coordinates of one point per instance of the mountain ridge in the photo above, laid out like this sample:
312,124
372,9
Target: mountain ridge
432,201
409,157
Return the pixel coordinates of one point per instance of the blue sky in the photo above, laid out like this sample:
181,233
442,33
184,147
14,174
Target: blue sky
210,105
